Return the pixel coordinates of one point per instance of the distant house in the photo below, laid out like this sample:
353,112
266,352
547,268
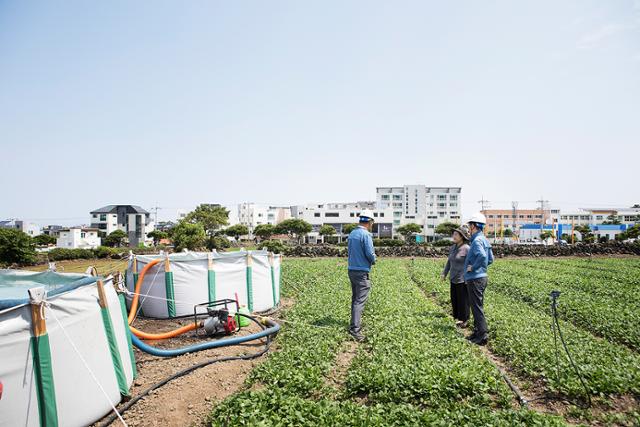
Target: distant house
78,238
52,230
26,227
131,219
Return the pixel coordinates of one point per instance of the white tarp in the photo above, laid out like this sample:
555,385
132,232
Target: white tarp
191,280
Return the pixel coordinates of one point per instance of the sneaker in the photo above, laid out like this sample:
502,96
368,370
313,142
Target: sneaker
462,325
357,337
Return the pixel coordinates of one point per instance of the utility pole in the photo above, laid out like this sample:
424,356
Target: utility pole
484,204
155,215
514,216
543,203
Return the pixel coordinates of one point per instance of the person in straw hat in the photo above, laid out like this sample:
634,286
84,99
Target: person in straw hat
455,269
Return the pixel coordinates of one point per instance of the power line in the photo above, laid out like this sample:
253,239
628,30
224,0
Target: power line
484,203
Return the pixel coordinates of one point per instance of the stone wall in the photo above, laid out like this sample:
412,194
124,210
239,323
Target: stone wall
612,248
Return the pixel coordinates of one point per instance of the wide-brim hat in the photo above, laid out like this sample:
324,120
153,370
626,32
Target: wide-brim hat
464,233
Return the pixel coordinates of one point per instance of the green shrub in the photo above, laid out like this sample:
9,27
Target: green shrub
275,246
388,242
16,247
442,243
60,254
105,252
218,242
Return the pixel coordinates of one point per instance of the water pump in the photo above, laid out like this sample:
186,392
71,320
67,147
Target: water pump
220,322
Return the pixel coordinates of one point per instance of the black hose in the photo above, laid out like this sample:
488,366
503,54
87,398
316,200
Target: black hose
112,417
556,325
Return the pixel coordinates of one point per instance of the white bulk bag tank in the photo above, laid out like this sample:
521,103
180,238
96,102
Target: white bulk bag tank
177,282
56,330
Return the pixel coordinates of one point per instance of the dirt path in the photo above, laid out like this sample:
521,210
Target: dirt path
337,376
188,400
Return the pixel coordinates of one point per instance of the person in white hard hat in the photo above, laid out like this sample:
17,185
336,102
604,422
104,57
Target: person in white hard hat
361,257
478,259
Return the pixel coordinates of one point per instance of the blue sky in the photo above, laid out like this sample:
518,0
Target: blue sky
177,103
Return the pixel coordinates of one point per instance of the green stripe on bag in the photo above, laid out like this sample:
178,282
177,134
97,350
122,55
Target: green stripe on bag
115,352
170,295
45,389
250,288
273,286
123,308
211,281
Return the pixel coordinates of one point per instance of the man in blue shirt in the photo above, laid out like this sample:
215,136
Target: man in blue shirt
361,258
479,257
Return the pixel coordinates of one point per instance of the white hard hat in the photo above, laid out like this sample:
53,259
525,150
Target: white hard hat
366,213
478,217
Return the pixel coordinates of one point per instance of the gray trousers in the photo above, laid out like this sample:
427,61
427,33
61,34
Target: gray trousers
475,290
360,287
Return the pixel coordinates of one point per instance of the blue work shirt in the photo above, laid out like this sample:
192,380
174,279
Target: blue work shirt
360,249
479,257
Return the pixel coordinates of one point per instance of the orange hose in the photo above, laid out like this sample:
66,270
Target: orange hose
134,307
134,302
164,335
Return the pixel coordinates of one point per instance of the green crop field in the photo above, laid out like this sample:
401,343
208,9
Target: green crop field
416,368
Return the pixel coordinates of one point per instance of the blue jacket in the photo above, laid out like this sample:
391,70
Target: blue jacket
360,249
479,257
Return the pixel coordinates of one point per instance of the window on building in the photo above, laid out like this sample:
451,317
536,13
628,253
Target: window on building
103,217
442,197
397,214
397,197
381,214
316,214
352,214
375,214
453,197
95,215
385,197
331,214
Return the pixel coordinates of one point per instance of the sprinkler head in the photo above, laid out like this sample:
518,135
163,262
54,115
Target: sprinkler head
555,294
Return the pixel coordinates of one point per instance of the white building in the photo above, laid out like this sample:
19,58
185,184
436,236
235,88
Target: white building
253,215
339,214
597,216
26,227
426,206
131,219
78,238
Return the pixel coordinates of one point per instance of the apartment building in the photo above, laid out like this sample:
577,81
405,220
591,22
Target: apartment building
420,204
131,219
